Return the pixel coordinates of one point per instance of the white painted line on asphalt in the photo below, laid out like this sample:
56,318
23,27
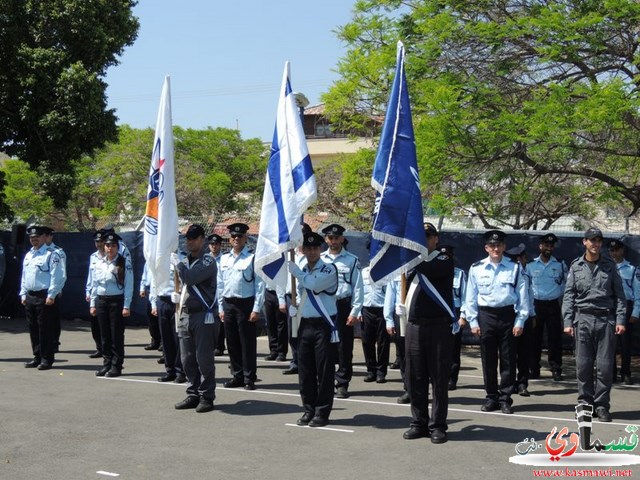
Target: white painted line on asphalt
139,380
375,402
108,474
342,430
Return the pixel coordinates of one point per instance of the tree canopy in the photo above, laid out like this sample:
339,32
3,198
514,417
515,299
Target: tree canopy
524,110
54,55
216,172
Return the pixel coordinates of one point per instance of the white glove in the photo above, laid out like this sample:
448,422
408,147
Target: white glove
401,310
174,259
293,311
294,269
175,297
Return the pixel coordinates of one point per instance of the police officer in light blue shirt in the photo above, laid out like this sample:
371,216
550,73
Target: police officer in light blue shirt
42,281
392,298
317,285
548,276
110,302
240,296
215,248
375,338
631,285
349,297
497,306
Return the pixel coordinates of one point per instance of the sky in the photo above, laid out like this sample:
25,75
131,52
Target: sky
226,60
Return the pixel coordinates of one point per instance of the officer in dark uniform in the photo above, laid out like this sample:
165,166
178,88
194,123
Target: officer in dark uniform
429,340
594,308
241,296
497,307
197,326
215,248
42,281
317,285
350,297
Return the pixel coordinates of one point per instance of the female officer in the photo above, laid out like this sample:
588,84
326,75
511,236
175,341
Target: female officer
111,295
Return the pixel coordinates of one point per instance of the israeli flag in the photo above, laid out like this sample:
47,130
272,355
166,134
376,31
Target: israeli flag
289,189
398,238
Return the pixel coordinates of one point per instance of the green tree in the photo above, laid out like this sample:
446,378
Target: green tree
524,111
216,172
23,193
54,55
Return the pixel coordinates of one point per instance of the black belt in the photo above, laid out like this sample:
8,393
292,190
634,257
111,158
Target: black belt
239,300
189,310
506,308
546,301
313,319
38,293
421,322
594,311
110,297
165,298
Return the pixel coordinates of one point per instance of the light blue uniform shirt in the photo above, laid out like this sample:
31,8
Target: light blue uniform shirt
63,258
237,279
459,288
145,280
627,274
373,294
547,279
105,281
322,280
349,278
93,260
42,270
391,298
636,294
496,285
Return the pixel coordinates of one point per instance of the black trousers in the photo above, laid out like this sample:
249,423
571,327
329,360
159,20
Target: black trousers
170,342
400,342
154,326
241,338
498,343
277,329
523,354
374,334
316,363
221,336
428,361
41,326
549,317
624,344
455,353
109,313
345,347
95,333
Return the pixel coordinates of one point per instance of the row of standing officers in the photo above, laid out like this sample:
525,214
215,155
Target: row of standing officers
500,301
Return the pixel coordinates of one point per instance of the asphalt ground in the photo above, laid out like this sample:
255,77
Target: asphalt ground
66,423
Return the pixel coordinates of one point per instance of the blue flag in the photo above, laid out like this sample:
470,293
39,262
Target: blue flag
398,238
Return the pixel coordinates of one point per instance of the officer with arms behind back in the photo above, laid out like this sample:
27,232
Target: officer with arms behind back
594,308
42,281
497,305
350,297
